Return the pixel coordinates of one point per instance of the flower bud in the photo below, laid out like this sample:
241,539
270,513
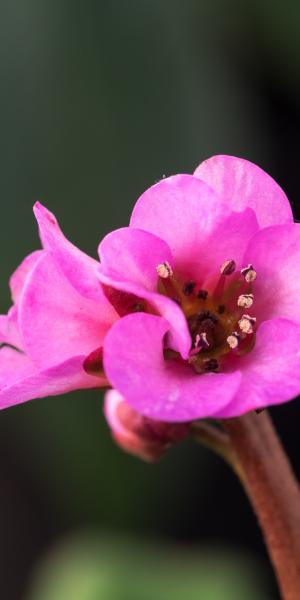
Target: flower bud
138,435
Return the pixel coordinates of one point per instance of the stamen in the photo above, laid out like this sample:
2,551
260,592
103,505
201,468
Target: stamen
188,288
201,342
233,339
228,267
246,324
245,300
202,294
164,270
221,309
249,273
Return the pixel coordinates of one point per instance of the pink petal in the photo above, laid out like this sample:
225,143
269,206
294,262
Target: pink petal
21,381
271,372
183,211
242,184
275,255
9,328
77,266
133,255
227,241
129,258
179,338
19,276
159,389
56,321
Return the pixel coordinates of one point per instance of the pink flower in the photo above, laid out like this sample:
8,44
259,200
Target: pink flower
193,311
213,259
59,316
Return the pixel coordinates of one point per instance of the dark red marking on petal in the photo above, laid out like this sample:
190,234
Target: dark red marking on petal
123,302
93,363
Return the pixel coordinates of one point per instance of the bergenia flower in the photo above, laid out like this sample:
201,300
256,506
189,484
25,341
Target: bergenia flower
59,316
192,312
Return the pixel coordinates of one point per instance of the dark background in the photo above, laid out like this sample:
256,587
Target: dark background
99,99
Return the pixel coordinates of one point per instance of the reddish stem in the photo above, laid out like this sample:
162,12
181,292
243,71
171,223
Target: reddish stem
273,492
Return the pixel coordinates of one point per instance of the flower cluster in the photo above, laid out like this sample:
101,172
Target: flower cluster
192,312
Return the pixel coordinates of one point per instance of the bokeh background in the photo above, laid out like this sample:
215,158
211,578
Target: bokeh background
99,99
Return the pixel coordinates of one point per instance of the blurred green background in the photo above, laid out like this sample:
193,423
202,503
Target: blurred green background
98,100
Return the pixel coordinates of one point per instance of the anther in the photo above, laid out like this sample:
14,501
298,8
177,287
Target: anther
221,309
249,273
201,343
202,294
201,340
246,324
245,300
228,267
164,270
188,288
233,339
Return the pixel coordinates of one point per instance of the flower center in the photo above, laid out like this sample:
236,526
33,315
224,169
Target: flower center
217,317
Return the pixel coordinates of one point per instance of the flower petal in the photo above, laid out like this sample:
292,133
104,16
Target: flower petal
242,184
271,372
178,335
181,210
18,278
21,381
129,258
159,389
227,241
57,322
77,266
275,255
9,328
132,255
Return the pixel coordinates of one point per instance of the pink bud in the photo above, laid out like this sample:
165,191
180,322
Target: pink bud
145,438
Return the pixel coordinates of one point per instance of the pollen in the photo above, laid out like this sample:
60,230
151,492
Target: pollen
245,300
249,273
246,324
233,340
164,270
228,267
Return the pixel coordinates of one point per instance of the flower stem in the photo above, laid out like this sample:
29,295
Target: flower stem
215,439
273,492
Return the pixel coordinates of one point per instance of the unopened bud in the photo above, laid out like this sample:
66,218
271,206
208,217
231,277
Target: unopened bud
138,435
